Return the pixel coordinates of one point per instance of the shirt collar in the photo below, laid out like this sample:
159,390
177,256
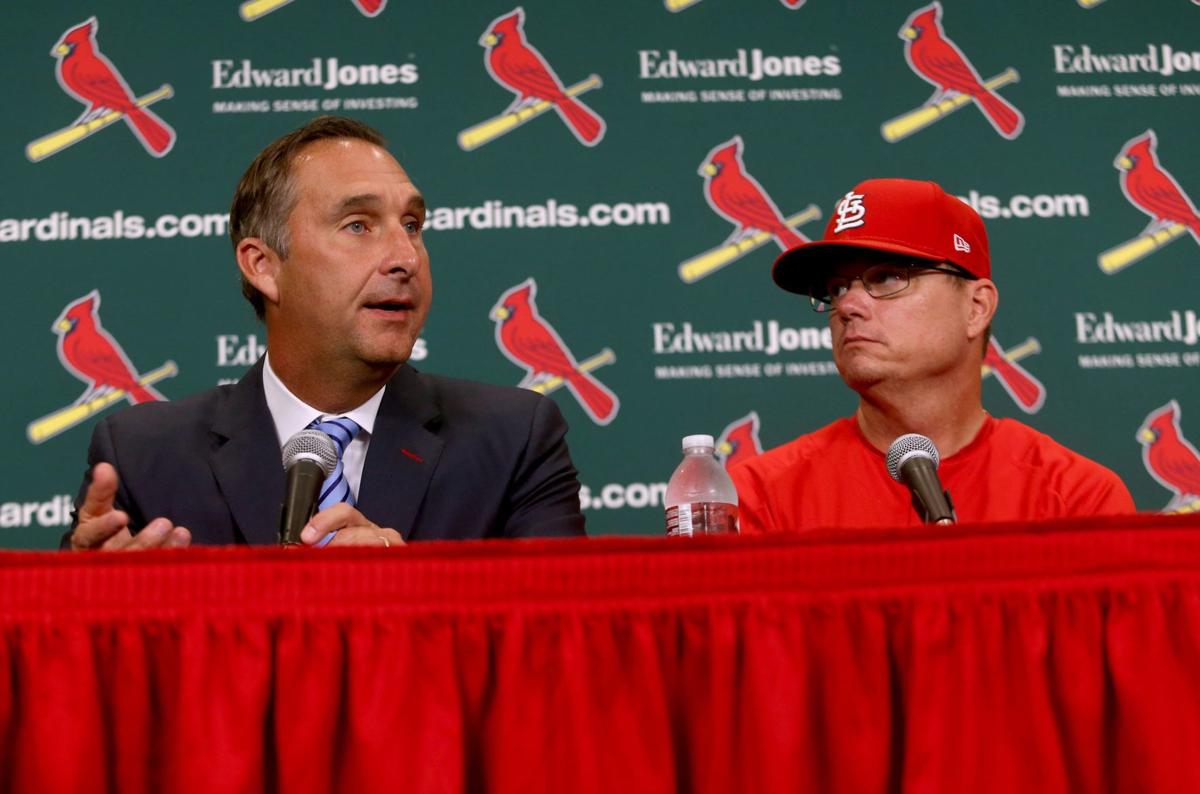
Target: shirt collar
291,414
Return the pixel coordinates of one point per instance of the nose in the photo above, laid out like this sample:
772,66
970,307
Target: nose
855,302
403,254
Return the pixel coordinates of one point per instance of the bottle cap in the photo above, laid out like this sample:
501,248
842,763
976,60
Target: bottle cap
692,442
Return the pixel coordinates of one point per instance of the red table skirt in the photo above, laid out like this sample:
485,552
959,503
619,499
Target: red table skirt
1061,657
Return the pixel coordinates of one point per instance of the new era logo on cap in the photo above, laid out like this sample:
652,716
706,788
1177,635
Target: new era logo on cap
850,212
961,245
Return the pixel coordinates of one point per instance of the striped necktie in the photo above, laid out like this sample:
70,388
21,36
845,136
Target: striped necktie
336,488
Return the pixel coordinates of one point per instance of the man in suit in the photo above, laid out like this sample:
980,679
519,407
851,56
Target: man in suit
326,228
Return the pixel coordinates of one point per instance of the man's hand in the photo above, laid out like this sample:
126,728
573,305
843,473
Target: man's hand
105,529
349,528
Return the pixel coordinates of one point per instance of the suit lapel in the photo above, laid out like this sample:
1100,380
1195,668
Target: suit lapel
246,461
403,453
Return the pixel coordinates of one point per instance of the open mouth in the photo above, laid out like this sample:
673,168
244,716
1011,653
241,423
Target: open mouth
390,306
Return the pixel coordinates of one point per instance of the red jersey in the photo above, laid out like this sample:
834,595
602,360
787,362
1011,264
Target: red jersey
835,478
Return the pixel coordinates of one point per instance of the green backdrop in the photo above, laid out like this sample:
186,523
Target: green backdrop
604,229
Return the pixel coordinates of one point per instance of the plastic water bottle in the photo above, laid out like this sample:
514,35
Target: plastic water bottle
701,499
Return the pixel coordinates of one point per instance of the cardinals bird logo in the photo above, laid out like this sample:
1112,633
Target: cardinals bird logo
87,75
530,342
1027,391
1153,190
740,199
1170,458
938,61
255,9
739,441
91,354
514,63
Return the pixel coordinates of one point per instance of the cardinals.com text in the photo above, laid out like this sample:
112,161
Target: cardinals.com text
1060,205
616,495
54,512
117,226
496,214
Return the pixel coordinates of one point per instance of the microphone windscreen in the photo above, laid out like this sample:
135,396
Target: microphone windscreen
311,445
909,446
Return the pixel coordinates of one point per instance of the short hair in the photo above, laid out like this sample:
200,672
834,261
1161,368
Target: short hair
266,195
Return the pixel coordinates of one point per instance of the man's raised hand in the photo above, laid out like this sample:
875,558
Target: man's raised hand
101,527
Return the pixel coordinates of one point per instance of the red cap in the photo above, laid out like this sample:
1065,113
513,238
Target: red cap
898,216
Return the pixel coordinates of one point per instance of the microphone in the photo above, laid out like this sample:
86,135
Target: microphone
913,460
308,458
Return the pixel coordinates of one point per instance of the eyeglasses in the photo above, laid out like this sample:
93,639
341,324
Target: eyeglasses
880,281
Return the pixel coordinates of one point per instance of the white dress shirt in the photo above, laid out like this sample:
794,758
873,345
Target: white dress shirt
291,415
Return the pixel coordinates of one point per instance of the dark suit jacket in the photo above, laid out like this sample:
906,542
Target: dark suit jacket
448,459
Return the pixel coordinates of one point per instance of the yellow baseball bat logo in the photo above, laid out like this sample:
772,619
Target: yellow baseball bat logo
711,261
253,9
920,118
554,382
55,142
1122,256
487,131
64,419
1187,507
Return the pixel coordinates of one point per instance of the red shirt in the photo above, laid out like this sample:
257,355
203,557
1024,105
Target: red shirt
835,478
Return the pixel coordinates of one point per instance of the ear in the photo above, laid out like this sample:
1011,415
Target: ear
983,299
260,266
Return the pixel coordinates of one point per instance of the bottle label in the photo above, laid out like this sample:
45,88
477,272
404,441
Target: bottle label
702,518
679,521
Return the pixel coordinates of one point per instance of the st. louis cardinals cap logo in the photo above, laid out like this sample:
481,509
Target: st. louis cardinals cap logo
87,75
1171,459
91,354
740,199
739,441
516,65
532,343
938,61
1153,190
851,212
251,10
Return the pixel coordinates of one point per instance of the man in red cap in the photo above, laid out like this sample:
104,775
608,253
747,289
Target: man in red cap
904,273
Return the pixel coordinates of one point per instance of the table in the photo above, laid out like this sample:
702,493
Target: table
1058,657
